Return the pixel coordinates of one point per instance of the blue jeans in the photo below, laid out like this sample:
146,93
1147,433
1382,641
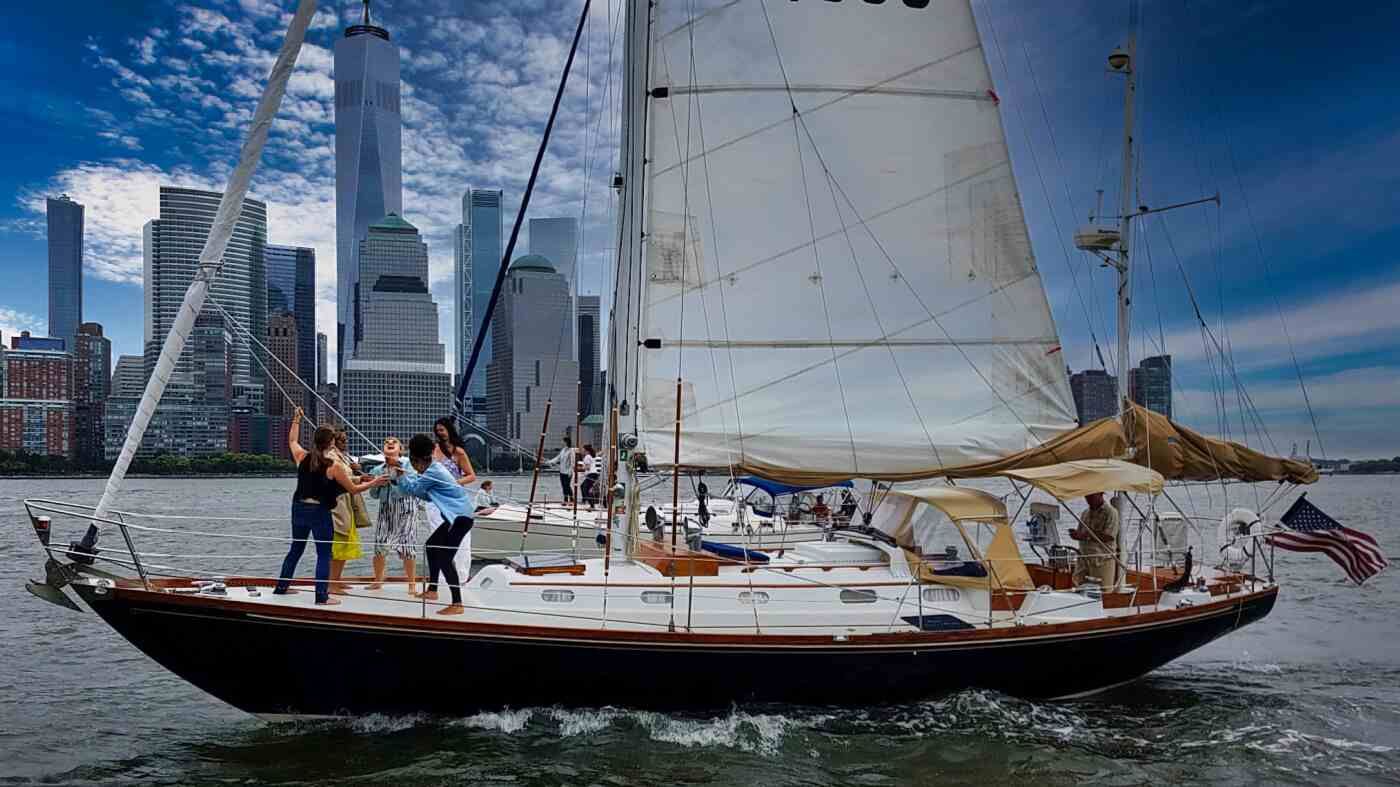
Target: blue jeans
314,520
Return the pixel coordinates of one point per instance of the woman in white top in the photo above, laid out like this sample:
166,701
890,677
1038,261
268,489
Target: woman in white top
591,470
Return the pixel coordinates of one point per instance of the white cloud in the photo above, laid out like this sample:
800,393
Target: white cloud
12,322
1348,321
476,94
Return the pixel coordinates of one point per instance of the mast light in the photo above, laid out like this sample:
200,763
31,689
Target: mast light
1118,59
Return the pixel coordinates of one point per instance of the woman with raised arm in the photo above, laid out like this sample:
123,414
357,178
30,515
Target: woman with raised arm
320,483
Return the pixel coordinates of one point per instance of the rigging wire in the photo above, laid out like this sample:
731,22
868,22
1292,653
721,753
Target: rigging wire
812,226
1059,165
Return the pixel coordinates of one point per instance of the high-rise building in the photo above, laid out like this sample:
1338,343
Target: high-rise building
128,383
478,260
26,342
193,416
588,315
283,342
1150,384
36,401
395,383
173,243
65,220
322,347
532,333
291,289
1095,394
556,239
368,153
92,384
128,376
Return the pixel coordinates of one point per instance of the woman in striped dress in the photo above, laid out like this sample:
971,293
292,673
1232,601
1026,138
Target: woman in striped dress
402,518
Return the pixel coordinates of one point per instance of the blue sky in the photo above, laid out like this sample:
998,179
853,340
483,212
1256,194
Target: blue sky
1281,108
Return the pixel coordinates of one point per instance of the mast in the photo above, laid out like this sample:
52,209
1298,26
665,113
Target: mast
1125,63
211,259
623,397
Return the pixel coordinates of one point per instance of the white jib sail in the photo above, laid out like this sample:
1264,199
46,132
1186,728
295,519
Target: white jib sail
211,259
835,259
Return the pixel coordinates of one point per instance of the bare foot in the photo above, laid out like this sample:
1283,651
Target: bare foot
374,586
330,602
452,609
428,595
340,592
413,591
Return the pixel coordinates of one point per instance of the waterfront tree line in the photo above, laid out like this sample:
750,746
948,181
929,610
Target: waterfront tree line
23,463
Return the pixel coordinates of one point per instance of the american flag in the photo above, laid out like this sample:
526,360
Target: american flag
1313,531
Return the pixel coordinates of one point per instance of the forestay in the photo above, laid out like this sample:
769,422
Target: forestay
835,259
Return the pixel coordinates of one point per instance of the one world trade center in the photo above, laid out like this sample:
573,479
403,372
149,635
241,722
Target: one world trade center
368,161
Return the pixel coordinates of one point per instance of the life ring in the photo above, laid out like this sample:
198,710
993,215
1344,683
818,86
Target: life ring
1237,536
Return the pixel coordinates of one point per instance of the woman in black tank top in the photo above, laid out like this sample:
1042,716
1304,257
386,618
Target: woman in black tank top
319,482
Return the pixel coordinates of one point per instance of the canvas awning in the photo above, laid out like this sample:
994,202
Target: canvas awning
959,502
1087,476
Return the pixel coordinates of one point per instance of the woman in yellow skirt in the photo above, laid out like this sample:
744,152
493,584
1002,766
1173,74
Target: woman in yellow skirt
348,516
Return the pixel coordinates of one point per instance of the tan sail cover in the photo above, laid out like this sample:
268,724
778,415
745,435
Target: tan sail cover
834,258
1181,454
1087,476
1150,440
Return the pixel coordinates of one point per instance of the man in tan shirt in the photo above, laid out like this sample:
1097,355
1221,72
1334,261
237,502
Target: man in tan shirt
1098,543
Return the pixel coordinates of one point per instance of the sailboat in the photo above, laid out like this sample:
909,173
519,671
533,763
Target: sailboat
824,273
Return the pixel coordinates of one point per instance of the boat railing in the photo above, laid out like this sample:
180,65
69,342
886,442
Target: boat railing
61,525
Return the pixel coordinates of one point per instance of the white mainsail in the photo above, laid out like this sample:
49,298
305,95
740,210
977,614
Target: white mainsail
834,259
211,258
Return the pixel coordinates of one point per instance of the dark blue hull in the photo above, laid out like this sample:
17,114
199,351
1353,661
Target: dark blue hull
274,661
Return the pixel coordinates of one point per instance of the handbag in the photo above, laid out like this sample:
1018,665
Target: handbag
342,515
361,514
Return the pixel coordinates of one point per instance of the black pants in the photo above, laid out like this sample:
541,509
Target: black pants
442,548
590,489
566,483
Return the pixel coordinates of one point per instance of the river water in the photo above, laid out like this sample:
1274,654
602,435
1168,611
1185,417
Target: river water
1310,695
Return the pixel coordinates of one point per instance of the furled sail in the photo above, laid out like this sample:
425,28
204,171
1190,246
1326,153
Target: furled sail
1154,441
834,260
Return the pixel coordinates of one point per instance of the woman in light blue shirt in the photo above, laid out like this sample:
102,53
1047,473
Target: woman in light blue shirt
433,483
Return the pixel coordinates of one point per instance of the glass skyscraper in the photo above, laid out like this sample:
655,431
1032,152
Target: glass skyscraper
291,289
65,220
368,153
1150,384
173,243
532,362
557,241
478,260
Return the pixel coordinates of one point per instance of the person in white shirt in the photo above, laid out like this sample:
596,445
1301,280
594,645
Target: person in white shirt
564,462
591,469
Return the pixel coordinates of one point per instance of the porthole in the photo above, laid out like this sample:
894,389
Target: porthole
557,596
752,598
858,597
487,582
656,597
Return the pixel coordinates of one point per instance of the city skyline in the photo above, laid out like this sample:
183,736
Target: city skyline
474,98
